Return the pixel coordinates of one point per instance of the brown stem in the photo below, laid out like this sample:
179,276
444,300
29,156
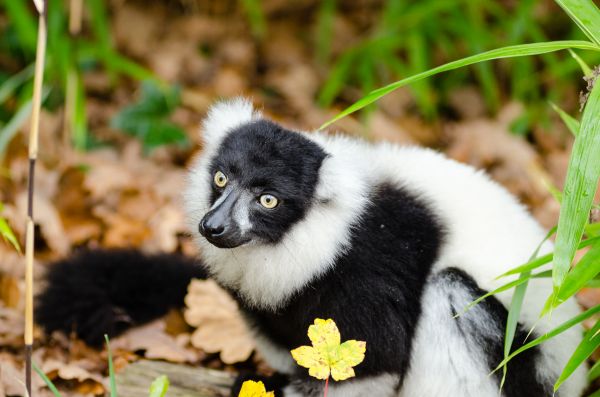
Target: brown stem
33,151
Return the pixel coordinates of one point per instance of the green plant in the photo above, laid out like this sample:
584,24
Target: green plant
158,388
69,58
410,36
148,118
574,230
6,232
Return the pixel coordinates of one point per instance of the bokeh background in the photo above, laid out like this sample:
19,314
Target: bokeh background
128,82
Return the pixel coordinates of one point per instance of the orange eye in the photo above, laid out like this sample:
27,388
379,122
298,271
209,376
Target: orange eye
220,179
268,201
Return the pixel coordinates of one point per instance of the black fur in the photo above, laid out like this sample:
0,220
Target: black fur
521,377
373,292
105,292
265,158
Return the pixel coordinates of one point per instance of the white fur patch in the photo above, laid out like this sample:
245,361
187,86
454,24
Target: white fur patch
225,116
444,363
488,231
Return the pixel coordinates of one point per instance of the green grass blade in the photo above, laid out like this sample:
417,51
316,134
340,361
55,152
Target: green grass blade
551,334
325,19
587,269
594,372
159,386
8,235
588,345
585,14
587,71
581,183
111,370
542,260
595,394
10,85
12,127
571,123
507,286
256,17
514,312
499,53
24,23
46,380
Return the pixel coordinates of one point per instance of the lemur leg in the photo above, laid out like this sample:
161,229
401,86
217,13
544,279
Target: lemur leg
453,356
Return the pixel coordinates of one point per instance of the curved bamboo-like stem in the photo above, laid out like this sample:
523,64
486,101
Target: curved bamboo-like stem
33,152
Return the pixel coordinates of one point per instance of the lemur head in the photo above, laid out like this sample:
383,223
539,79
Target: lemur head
262,177
269,207
263,181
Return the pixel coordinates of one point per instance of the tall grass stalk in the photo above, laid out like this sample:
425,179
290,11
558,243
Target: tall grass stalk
33,152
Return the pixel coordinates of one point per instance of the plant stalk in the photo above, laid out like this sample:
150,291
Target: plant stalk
33,152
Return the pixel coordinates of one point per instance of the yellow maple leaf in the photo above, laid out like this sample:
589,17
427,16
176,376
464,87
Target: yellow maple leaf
251,388
327,356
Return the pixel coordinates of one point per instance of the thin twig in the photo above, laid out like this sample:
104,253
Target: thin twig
33,152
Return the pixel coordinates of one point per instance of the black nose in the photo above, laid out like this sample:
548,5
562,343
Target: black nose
210,229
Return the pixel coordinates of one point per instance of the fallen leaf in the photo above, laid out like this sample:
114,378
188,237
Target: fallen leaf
251,388
156,343
219,326
326,355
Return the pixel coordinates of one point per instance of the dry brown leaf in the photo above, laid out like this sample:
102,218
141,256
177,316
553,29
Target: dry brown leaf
219,326
11,327
12,377
509,159
48,218
157,344
87,382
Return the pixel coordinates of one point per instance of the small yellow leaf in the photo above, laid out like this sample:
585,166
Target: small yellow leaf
327,356
311,358
251,388
324,334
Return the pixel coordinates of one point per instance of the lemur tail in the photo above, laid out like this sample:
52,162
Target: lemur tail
108,291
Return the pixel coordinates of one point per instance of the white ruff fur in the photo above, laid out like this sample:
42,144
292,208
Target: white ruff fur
488,232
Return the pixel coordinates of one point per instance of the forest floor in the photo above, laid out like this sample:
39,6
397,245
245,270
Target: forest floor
121,195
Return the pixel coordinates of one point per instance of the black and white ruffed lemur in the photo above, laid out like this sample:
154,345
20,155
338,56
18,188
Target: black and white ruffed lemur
391,242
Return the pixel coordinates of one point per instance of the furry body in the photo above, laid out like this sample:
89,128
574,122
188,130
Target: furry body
390,242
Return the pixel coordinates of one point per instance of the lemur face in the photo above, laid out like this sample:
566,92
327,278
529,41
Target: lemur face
263,181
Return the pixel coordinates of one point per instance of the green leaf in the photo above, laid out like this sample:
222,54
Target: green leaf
10,85
46,380
256,17
587,71
506,287
571,123
594,371
514,312
148,118
159,386
587,269
588,345
499,53
8,235
585,14
542,260
581,183
111,369
551,334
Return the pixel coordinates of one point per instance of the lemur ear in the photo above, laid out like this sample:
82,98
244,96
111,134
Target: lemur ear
226,115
